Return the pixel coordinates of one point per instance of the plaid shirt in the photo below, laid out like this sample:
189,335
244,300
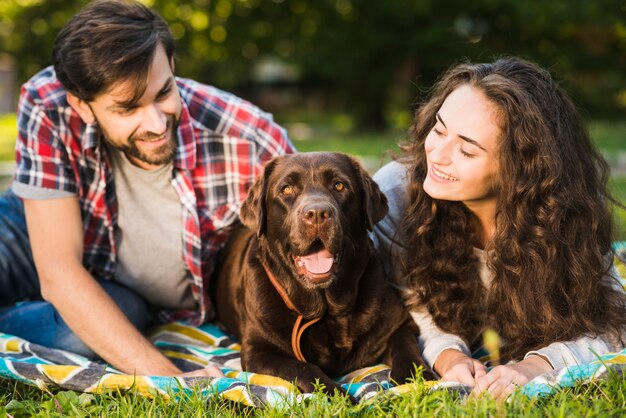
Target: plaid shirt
223,142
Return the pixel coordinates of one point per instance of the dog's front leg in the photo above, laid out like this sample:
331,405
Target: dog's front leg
403,354
259,359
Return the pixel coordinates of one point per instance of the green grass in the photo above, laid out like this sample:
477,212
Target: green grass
369,145
618,188
316,132
610,137
602,399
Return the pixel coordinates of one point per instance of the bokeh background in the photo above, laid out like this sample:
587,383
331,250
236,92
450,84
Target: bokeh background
346,74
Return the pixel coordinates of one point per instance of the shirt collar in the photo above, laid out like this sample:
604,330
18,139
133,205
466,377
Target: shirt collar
186,150
90,136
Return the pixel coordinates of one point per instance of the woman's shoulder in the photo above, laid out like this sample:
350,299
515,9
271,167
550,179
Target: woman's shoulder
393,180
394,175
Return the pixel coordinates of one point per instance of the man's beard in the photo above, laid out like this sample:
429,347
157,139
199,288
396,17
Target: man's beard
160,156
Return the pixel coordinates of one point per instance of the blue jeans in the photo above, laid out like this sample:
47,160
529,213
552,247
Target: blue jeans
23,313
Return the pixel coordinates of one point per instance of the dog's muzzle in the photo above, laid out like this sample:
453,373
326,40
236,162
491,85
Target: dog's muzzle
316,226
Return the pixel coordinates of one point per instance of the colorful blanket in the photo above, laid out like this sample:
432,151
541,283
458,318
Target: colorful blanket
193,347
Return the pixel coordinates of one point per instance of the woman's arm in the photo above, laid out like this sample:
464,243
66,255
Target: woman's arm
446,354
433,341
502,380
569,353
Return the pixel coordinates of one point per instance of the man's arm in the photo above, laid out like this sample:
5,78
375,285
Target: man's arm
56,236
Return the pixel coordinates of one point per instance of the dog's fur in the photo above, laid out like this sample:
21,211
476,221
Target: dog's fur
301,204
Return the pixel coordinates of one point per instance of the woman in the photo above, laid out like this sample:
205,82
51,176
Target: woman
499,219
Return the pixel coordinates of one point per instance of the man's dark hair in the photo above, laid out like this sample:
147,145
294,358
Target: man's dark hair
107,42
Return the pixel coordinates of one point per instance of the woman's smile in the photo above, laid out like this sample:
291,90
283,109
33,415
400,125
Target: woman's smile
439,175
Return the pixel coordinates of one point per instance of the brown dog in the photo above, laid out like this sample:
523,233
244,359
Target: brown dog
302,288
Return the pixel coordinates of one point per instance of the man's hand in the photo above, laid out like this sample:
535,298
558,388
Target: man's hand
454,366
209,371
501,381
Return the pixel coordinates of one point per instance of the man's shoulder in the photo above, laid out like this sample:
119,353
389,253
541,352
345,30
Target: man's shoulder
218,110
45,90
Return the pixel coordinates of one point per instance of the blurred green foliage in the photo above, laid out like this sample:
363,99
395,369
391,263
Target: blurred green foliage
368,58
8,134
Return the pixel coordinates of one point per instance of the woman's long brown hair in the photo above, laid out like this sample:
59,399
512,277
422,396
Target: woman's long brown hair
551,249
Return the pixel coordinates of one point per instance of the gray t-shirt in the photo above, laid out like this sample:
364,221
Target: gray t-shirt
149,234
389,238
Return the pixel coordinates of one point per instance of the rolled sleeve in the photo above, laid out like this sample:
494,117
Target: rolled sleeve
42,159
26,191
432,340
570,353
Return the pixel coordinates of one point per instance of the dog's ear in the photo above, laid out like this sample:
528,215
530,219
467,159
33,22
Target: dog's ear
252,212
374,201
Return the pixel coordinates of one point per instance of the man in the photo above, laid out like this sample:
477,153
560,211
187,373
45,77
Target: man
129,178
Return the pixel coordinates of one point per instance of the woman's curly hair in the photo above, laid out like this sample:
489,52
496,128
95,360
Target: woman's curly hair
551,249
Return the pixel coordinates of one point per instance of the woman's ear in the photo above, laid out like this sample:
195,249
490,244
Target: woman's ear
82,108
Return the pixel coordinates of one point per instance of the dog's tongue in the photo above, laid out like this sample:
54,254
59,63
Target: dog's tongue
317,263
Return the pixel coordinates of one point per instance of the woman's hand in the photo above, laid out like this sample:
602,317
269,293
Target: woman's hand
454,366
501,381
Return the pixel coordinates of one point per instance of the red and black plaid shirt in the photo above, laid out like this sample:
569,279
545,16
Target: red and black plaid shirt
223,142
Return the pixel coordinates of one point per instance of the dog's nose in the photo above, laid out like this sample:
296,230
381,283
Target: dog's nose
316,214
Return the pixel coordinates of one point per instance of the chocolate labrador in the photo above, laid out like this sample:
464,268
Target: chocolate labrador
302,287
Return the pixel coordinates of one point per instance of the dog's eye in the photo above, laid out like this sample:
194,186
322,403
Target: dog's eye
286,190
339,186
